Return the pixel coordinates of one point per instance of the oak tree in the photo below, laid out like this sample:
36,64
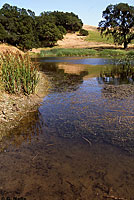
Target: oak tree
119,23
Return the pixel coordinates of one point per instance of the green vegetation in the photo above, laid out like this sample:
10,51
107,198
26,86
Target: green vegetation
21,28
112,53
94,36
130,53
68,52
69,21
48,35
118,23
83,32
18,73
86,52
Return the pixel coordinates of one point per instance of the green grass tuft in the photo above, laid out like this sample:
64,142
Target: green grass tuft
18,73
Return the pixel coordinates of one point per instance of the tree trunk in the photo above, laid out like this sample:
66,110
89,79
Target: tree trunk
125,45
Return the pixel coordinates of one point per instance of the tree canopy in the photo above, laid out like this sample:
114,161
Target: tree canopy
69,21
119,23
20,27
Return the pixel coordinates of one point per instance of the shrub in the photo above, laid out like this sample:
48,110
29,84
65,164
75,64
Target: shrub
83,32
18,73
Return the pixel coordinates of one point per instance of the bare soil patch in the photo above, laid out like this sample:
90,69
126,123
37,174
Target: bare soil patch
73,40
89,27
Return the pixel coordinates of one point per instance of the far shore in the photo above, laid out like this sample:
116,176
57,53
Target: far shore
73,40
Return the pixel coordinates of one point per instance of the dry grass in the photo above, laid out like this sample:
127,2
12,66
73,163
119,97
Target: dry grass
6,47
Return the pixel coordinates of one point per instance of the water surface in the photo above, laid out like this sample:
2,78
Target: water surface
80,143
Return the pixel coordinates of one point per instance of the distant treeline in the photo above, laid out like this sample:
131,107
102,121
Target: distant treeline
21,28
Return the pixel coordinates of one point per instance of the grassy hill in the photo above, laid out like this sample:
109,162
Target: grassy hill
94,36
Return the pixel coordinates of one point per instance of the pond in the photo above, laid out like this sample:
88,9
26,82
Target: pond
80,143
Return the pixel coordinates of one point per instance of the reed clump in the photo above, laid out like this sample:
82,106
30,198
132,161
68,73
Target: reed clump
68,52
18,73
59,52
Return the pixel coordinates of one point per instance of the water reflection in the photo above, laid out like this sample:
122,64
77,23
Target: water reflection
121,74
62,80
30,127
105,70
87,107
77,60
79,106
78,154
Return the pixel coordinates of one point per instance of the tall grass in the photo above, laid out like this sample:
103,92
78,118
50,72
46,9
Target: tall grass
68,52
112,53
18,73
86,52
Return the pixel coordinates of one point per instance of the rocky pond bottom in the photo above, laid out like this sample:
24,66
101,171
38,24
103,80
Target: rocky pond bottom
79,145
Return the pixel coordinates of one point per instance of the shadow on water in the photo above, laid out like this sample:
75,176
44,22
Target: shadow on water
80,143
30,127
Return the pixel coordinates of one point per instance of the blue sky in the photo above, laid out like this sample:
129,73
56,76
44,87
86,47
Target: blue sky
90,11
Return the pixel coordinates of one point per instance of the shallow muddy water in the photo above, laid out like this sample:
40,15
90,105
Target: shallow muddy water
79,145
